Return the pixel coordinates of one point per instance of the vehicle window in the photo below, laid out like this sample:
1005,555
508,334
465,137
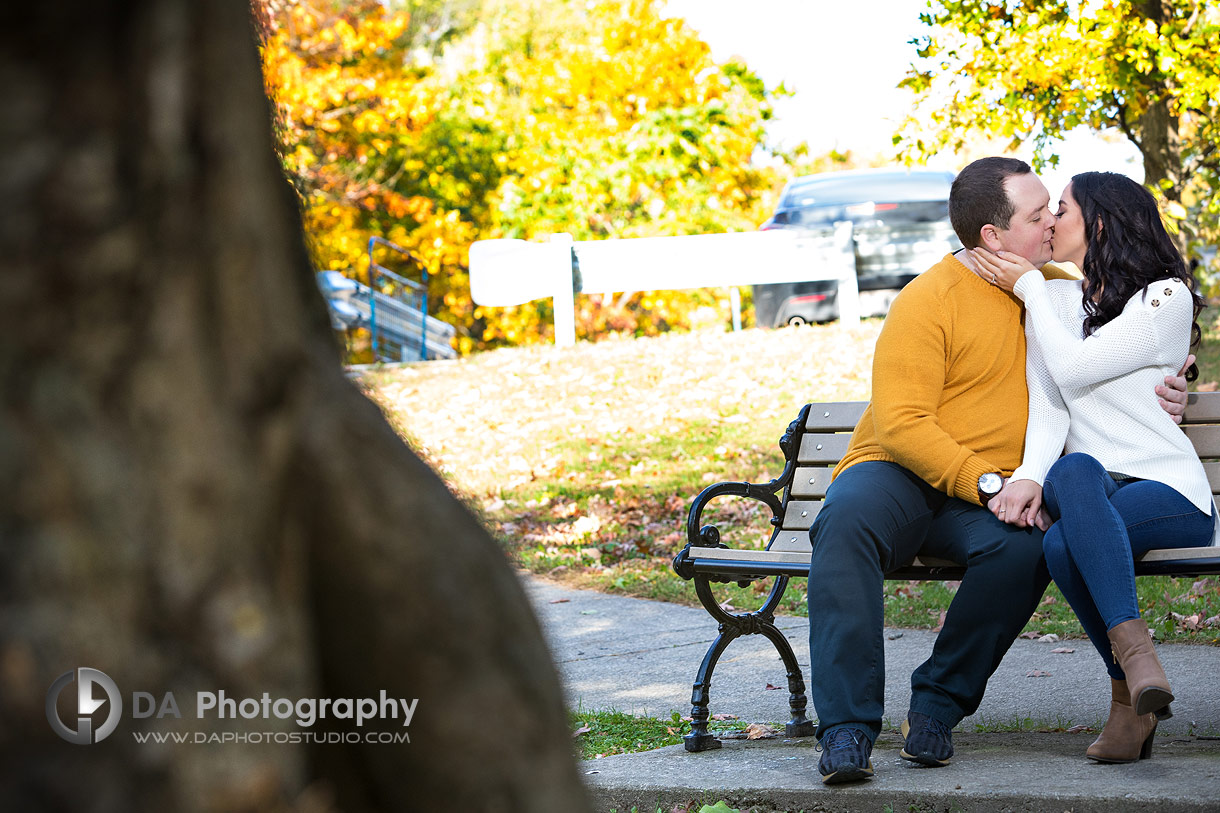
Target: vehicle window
866,213
822,191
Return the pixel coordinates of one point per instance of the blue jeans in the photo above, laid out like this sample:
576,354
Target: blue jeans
877,517
1101,525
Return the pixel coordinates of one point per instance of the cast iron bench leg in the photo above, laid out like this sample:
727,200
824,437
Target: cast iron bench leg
731,627
799,725
699,739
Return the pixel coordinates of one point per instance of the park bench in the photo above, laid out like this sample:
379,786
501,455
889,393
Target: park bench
812,445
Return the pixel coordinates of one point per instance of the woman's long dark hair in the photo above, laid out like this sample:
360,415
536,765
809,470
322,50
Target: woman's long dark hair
1126,249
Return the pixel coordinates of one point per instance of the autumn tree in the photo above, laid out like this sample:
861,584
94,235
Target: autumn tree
192,496
1032,71
620,124
599,119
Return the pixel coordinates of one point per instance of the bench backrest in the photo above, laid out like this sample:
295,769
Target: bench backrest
828,429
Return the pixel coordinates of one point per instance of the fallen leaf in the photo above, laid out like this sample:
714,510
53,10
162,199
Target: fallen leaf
718,717
584,729
1038,673
1076,729
1050,600
940,620
1049,638
769,686
760,731
1062,650
1031,635
560,600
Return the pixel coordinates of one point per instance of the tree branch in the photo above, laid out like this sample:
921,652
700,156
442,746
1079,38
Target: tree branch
1125,127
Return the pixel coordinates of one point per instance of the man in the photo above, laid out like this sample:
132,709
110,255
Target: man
945,426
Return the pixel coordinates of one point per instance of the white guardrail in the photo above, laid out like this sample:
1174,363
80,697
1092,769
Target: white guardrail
513,272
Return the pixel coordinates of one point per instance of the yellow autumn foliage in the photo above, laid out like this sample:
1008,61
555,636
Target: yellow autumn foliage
600,119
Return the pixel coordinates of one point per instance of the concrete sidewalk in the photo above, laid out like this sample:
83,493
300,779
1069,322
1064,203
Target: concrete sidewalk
640,656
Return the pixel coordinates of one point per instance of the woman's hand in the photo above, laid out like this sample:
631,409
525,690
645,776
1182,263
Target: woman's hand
1018,503
1001,269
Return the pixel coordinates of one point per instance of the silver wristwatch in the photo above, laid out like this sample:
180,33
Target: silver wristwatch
989,486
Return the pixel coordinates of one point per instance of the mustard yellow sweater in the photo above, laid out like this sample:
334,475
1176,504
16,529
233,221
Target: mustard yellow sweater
949,396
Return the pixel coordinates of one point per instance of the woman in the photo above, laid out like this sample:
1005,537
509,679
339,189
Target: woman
1130,480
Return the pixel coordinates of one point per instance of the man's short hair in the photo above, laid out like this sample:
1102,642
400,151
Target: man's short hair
978,197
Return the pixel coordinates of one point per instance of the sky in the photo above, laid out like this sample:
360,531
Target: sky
843,60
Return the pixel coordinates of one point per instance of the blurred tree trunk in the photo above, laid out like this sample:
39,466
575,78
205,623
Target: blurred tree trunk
192,497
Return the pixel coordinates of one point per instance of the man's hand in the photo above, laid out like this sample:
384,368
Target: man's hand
1018,503
1172,396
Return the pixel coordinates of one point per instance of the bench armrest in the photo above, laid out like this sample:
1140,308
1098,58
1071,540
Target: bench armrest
708,536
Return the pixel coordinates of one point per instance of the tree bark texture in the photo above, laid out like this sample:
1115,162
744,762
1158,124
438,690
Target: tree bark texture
192,496
1157,124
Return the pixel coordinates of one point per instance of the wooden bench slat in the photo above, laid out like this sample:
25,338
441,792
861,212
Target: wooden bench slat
1202,407
809,481
822,448
1205,438
837,417
800,514
791,557
1180,554
1212,468
792,540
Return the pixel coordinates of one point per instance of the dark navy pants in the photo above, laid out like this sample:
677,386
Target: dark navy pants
877,517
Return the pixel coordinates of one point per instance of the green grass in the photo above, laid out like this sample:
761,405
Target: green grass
602,733
1016,725
583,461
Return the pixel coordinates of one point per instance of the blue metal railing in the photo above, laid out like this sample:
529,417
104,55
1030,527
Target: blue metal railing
396,317
378,272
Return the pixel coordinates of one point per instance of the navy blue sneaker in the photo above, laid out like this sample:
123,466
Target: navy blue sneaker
845,756
928,740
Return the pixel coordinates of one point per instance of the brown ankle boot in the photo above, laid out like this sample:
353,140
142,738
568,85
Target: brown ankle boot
1146,679
1127,736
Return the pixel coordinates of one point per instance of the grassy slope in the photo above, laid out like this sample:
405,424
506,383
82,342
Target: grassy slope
584,460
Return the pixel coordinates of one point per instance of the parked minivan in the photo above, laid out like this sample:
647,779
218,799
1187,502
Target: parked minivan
900,228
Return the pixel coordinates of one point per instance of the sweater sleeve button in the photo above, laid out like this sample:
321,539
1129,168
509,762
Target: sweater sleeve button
1156,303
1168,291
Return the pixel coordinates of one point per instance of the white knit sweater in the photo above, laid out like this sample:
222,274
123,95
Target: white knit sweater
1097,394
